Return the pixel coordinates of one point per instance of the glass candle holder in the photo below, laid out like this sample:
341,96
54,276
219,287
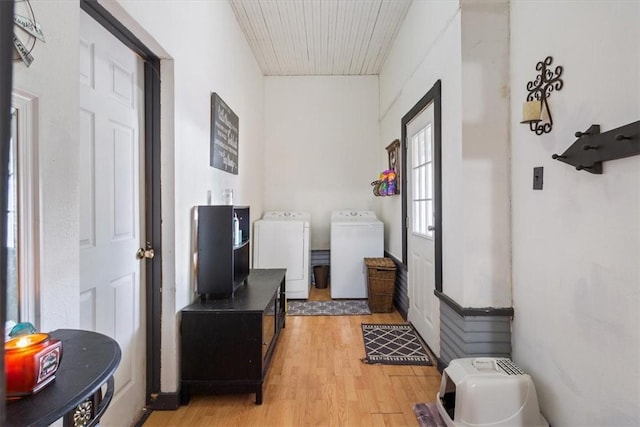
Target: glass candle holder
227,196
31,362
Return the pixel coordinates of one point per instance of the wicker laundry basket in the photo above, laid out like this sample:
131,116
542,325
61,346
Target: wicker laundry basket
381,279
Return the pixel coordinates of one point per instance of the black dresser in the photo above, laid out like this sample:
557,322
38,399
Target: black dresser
227,344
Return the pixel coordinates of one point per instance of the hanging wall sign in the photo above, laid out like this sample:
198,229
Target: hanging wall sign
26,31
224,136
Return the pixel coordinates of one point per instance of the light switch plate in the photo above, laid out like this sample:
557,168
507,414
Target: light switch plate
537,177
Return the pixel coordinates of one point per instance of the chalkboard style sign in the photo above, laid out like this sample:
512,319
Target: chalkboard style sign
224,136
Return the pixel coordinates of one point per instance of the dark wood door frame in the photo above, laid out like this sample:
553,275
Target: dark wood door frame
6,70
153,205
434,95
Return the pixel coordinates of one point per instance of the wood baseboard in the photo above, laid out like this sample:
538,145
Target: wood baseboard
165,401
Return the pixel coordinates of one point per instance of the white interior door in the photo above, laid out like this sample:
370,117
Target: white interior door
424,311
111,195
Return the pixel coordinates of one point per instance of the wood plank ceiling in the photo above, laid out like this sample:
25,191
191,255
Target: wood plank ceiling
320,37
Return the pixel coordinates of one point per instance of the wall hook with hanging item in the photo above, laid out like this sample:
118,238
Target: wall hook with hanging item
393,152
386,185
26,32
535,111
592,147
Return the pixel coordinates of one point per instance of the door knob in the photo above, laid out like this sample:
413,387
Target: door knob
431,228
142,253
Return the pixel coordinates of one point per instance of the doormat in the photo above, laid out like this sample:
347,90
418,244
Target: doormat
428,415
327,308
393,345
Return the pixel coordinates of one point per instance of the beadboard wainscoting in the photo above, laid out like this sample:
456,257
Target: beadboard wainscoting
475,334
401,291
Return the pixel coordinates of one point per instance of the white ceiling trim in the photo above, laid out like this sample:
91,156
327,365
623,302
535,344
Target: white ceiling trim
320,37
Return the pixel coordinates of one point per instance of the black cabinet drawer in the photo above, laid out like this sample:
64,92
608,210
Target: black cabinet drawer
226,344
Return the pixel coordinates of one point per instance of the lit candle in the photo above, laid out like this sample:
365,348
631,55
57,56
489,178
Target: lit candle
30,363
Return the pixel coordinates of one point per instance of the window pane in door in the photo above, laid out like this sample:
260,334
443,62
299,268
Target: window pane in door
422,184
428,144
429,181
422,149
422,181
415,146
429,217
13,290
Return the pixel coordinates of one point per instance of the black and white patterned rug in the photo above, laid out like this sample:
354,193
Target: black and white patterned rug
327,308
393,345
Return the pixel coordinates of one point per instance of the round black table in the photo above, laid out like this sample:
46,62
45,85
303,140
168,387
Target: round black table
89,360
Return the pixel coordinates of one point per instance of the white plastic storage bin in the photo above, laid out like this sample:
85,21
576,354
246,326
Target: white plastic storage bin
488,391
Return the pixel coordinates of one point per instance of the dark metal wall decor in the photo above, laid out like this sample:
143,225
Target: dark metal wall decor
592,147
539,91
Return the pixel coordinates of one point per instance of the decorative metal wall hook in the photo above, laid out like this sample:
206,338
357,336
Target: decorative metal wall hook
539,91
592,147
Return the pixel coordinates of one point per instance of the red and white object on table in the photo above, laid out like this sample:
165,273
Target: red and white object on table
31,362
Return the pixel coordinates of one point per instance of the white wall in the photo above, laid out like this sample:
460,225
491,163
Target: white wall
426,49
576,243
216,59
485,154
466,48
57,138
209,54
205,51
322,149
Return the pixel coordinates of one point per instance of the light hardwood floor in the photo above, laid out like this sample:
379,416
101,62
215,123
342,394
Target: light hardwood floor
317,378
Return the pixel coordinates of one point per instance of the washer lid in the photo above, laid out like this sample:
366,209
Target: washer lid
287,216
354,217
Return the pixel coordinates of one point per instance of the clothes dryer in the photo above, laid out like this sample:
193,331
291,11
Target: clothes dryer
281,240
355,235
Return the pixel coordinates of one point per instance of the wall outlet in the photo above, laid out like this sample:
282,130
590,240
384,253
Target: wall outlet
537,178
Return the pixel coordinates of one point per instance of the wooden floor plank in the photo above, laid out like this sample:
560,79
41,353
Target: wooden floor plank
317,378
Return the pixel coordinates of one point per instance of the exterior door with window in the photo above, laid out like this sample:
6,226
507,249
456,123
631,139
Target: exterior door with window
424,311
111,208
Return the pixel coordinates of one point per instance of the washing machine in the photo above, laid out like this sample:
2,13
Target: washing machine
355,235
281,240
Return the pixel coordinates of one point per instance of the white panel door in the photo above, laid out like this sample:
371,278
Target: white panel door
424,311
111,196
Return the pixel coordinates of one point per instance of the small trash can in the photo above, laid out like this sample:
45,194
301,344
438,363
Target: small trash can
321,275
381,279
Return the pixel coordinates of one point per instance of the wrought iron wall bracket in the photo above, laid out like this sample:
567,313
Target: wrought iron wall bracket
540,89
592,147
